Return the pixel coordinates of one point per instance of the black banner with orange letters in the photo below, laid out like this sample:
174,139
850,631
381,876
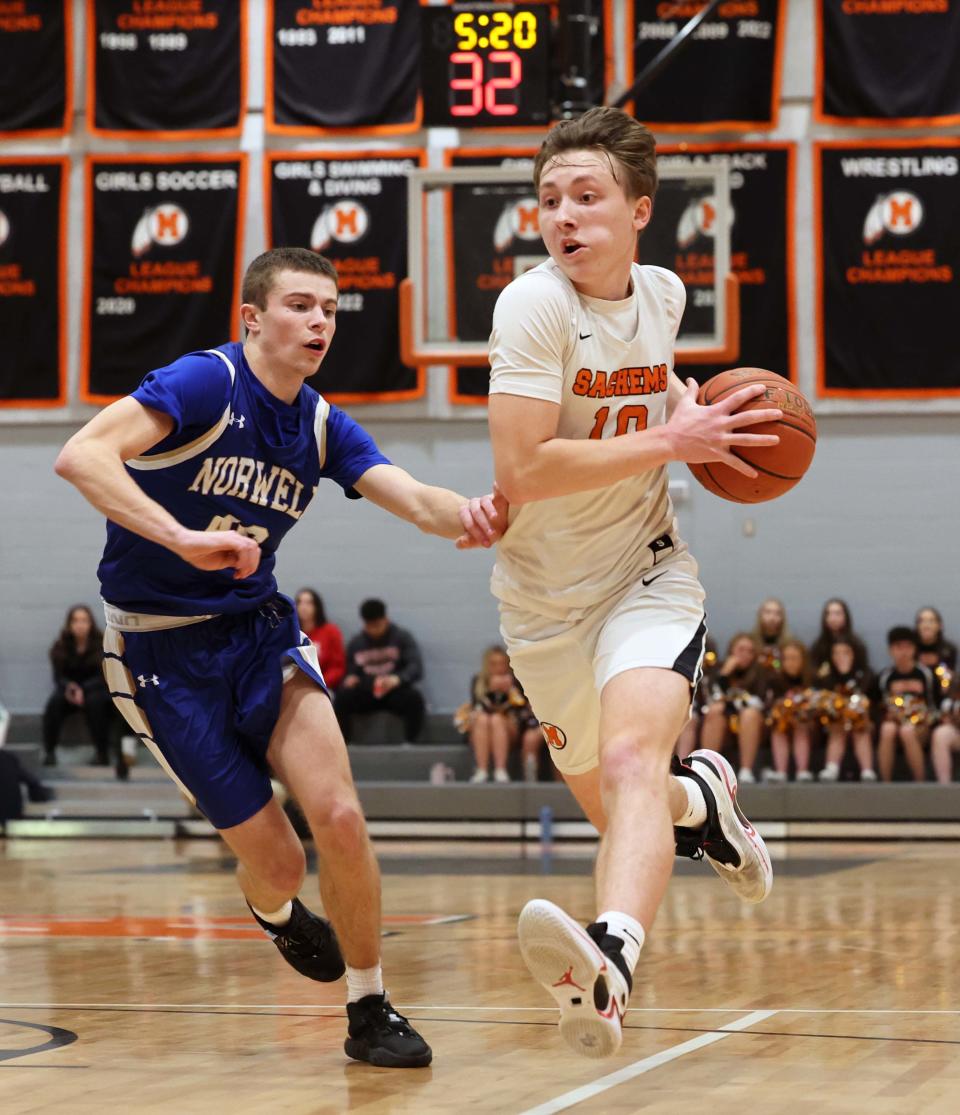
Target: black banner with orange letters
888,62
163,263
761,249
352,208
33,322
335,64
36,84
493,234
166,70
888,236
728,75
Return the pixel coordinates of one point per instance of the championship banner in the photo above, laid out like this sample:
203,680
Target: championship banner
493,235
761,249
888,62
339,64
166,70
352,208
887,228
36,80
163,263
727,78
33,315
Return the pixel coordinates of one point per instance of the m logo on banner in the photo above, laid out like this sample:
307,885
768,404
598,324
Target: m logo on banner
346,222
699,219
519,220
165,224
900,212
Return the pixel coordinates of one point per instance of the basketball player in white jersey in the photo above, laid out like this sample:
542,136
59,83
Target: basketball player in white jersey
600,604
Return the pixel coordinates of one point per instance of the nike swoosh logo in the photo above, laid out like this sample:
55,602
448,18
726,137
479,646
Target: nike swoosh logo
645,581
585,336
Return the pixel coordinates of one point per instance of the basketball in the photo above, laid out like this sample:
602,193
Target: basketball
778,467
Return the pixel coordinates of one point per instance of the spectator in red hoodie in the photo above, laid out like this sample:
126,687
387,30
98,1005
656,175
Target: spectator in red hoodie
325,636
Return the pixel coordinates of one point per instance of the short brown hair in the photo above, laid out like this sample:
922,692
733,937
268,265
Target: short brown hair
627,143
262,272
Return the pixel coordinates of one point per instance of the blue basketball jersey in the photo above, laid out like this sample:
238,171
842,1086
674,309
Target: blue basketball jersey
238,459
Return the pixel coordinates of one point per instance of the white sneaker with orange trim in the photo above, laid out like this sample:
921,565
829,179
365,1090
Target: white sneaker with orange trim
588,986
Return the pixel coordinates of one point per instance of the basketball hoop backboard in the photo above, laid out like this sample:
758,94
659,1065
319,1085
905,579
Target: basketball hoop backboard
480,221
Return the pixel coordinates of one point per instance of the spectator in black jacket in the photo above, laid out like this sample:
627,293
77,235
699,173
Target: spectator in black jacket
76,659
383,662
908,695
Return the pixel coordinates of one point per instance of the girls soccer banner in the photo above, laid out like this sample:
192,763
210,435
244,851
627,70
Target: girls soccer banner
727,77
761,248
335,64
493,234
888,62
33,320
36,46
887,223
352,208
174,70
163,263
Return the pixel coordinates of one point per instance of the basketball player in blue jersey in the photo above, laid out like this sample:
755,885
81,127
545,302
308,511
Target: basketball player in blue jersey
201,471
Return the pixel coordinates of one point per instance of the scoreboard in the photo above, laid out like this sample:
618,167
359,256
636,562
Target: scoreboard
485,65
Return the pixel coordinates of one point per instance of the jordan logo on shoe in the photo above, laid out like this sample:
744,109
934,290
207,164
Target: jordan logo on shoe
567,980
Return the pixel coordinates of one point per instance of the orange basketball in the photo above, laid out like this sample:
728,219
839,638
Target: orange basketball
778,467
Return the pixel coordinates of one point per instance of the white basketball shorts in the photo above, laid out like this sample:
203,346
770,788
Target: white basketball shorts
563,665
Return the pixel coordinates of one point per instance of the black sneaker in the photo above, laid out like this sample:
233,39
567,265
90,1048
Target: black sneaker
381,1036
307,943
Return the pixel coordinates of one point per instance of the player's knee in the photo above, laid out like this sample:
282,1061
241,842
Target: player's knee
340,827
630,757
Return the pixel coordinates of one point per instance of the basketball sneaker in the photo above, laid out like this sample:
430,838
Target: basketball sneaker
307,942
735,849
584,972
378,1034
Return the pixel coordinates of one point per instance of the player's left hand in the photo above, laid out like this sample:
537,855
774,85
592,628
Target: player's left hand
484,520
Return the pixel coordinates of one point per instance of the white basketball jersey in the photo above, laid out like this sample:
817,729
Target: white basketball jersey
606,364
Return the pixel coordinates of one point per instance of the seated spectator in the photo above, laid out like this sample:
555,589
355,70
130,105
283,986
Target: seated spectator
76,659
490,718
835,623
770,632
324,635
933,650
845,712
12,775
946,736
687,740
908,697
383,662
789,696
736,703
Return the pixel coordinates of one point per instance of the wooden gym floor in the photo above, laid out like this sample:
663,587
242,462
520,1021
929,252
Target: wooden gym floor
132,980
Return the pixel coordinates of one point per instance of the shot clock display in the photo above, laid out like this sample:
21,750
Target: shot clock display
485,65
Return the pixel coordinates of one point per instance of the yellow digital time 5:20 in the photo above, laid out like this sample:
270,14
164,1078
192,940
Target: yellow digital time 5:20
485,65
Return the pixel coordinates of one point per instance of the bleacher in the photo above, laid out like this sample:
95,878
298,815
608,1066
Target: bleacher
402,802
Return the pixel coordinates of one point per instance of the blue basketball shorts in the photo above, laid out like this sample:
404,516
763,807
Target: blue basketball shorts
205,699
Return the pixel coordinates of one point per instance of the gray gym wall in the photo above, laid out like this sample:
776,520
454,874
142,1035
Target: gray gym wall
875,520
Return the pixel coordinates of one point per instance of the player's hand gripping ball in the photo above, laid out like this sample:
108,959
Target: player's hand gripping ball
778,467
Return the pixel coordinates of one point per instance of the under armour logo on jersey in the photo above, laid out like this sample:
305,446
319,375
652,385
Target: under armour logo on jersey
239,421
144,681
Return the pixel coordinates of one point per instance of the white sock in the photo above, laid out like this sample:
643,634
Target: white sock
364,981
696,813
279,917
630,931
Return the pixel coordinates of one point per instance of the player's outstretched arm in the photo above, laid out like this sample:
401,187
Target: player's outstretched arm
92,460
472,522
532,463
